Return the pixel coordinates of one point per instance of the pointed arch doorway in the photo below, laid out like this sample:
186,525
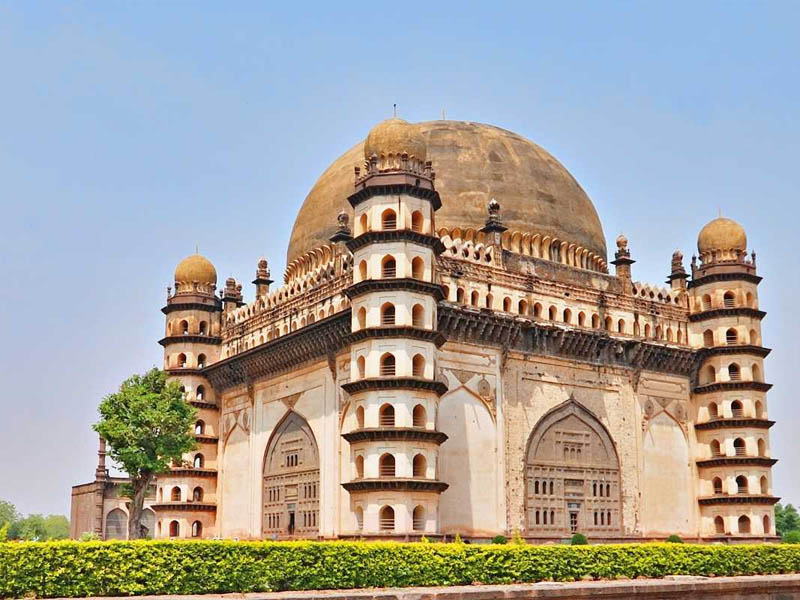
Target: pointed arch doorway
291,481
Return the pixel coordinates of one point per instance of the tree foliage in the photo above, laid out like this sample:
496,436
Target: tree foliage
147,425
786,519
33,527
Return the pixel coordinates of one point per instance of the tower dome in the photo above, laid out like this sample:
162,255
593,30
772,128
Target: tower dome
722,234
196,268
395,137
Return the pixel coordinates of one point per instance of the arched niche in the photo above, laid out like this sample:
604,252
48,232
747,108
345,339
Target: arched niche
116,525
291,487
572,458
236,507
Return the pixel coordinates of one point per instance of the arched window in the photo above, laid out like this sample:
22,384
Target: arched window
386,466
489,301
707,302
418,316
608,323
361,317
647,330
420,466
184,327
754,338
522,307
387,314
362,221
595,321
729,300
759,410
182,360
360,417
764,485
197,529
386,416
198,461
731,337
359,466
203,328
713,411
741,485
708,338
680,335
388,267
420,416
744,524
362,270
762,447
766,524
460,295
201,361
417,221
715,448
199,428
175,494
750,300
387,365
708,375
537,310
717,485
359,518
567,316
197,494
581,319
417,268
361,366
719,525
756,372
507,304
659,334
418,518
551,313
536,487
473,298
389,219
174,529
200,393
736,409
739,447
670,335
418,366
387,518
621,326
734,372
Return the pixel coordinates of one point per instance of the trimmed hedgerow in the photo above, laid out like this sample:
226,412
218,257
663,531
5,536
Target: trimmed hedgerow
72,569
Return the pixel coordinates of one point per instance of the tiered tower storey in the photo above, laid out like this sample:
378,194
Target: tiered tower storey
393,436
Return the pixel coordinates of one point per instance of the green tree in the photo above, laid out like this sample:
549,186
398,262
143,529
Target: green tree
31,528
147,427
786,519
57,527
8,512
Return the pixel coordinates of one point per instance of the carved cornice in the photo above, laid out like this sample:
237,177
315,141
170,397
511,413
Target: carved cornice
414,333
211,340
396,235
416,434
176,306
715,277
395,383
395,184
310,343
738,499
594,346
394,285
190,472
736,461
738,311
183,506
177,371
207,405
759,351
726,386
395,484
206,439
735,424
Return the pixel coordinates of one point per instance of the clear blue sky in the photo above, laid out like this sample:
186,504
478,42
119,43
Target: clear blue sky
132,131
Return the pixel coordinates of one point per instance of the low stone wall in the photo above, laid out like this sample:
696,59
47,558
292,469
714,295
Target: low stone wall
762,587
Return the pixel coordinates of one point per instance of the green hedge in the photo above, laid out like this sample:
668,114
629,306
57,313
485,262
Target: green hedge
167,567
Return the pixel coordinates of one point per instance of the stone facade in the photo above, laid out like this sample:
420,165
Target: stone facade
473,379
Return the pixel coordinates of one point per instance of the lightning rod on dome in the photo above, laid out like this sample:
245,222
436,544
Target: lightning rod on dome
394,110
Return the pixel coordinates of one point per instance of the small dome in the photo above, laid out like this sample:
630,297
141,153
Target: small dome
722,234
196,268
395,137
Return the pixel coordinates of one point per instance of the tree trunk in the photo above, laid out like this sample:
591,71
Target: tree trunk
139,486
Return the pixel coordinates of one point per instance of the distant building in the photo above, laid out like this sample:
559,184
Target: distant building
449,354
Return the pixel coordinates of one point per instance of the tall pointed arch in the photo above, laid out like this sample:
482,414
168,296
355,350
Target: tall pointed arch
291,481
572,475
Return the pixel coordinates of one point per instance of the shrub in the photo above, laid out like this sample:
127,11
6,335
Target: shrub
674,539
578,539
82,569
792,537
517,538
499,539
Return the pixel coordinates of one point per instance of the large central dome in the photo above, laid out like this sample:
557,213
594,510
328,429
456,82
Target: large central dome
474,163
